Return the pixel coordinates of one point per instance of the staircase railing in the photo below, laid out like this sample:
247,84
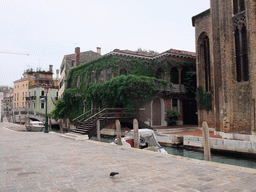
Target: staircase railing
78,120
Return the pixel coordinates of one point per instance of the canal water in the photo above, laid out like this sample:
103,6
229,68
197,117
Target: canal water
237,159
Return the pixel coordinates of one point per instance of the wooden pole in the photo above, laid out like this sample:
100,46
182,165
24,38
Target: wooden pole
136,133
118,132
98,130
50,124
61,125
207,149
68,125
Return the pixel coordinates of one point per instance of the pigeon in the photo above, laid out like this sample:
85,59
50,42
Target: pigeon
112,174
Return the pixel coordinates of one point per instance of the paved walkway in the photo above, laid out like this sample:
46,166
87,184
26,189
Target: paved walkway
47,162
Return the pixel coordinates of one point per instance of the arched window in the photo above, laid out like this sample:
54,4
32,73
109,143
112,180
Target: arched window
84,79
174,74
109,74
78,81
123,71
183,74
159,73
93,77
101,76
204,61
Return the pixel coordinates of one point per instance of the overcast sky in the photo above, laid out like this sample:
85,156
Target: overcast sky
49,29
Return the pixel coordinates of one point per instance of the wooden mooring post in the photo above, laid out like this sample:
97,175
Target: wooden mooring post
98,130
207,149
136,133
118,132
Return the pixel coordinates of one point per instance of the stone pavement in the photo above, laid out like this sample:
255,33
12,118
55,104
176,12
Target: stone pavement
31,161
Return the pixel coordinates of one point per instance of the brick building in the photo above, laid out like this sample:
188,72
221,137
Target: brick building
170,65
72,60
226,64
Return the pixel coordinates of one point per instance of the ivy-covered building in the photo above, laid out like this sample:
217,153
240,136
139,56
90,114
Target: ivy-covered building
92,81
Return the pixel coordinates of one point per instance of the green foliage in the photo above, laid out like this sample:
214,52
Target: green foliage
147,51
123,91
190,81
70,106
204,99
172,116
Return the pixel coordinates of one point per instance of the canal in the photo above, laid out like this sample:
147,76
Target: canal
237,159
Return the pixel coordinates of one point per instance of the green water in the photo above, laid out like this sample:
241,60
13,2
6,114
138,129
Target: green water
219,157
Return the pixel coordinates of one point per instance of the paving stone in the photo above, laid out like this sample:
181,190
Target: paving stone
47,162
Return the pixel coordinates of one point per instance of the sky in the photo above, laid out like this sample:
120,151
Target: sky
49,29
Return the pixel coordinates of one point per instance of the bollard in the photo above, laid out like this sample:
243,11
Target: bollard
50,124
207,150
118,132
136,133
61,125
98,130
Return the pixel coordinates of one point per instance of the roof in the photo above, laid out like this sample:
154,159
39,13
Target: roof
170,52
206,12
84,57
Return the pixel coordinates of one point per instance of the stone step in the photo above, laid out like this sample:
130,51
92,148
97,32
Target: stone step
75,136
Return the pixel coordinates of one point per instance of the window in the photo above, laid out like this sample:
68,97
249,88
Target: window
159,73
238,6
101,76
22,96
204,61
84,79
22,104
78,81
22,85
73,63
42,105
123,71
175,104
174,73
109,74
93,77
17,96
17,105
241,52
26,84
14,105
183,74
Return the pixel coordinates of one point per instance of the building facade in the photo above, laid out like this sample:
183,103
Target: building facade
72,60
171,65
29,88
226,64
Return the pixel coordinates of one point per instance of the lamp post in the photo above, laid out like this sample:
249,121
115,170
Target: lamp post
46,130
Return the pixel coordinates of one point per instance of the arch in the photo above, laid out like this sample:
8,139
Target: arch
183,74
109,74
84,79
101,76
204,60
157,112
159,74
123,71
174,74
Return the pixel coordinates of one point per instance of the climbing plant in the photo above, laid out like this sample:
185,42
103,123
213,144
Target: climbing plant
204,99
129,91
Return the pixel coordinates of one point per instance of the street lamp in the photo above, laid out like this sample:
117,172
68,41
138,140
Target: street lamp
46,130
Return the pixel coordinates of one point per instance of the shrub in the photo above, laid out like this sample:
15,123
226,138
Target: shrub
172,116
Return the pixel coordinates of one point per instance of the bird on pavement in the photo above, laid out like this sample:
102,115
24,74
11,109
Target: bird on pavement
112,174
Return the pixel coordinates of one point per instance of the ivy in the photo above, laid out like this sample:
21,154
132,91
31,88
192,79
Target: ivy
204,99
123,91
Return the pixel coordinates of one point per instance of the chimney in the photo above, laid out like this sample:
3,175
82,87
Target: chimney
57,73
99,50
50,68
77,56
